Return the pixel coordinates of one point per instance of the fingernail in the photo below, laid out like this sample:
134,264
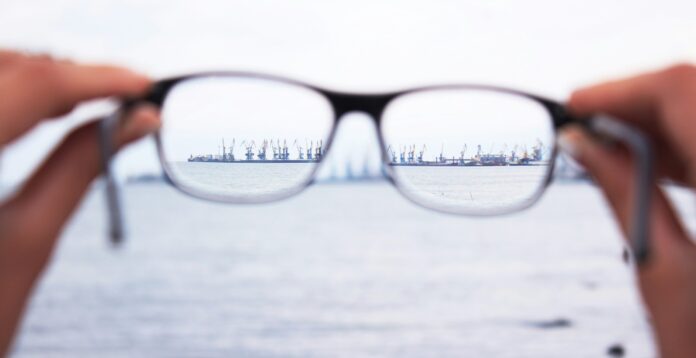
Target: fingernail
141,77
138,81
569,143
142,80
147,126
143,122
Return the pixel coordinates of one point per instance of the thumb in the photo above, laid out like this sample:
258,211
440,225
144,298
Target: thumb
613,169
55,189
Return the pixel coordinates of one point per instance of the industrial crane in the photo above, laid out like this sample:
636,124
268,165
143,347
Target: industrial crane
262,150
249,149
310,146
392,155
275,149
231,153
300,153
285,154
461,154
421,153
513,155
537,150
319,153
441,157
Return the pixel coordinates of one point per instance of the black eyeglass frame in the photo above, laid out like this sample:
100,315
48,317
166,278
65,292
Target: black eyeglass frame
374,105
341,103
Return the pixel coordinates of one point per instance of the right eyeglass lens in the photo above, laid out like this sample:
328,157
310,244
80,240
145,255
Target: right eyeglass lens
243,138
468,151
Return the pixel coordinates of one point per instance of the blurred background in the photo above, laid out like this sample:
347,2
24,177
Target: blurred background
348,268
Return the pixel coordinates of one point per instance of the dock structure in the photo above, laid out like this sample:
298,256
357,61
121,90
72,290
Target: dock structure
407,157
261,153
314,151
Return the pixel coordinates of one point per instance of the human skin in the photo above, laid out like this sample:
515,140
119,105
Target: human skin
663,105
32,89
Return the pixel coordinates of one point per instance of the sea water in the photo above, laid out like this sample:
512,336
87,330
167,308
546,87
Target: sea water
476,189
338,271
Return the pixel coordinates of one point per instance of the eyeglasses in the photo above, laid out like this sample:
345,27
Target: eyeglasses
464,149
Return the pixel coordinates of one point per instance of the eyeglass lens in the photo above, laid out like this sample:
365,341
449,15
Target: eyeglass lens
466,150
245,139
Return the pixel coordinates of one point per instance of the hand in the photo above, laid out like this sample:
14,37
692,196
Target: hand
31,90
663,105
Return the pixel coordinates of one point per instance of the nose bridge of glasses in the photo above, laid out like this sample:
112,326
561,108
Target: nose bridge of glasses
373,105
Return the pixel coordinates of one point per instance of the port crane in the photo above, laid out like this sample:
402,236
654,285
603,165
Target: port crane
513,154
392,155
276,149
280,152
300,153
441,157
231,153
262,150
248,149
524,157
411,153
285,153
461,154
420,154
537,150
319,153
227,156
310,148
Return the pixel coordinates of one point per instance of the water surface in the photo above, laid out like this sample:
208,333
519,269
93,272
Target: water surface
339,271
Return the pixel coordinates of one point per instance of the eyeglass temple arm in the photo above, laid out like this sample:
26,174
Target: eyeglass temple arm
639,228
107,130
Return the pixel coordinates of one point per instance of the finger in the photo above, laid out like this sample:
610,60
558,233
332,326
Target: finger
10,57
655,102
7,57
639,98
33,89
79,83
633,99
613,170
52,193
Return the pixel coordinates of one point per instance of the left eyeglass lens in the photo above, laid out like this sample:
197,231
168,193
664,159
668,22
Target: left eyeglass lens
245,139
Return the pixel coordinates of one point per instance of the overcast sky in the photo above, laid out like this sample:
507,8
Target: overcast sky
545,46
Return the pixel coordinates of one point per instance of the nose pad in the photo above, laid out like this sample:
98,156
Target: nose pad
356,153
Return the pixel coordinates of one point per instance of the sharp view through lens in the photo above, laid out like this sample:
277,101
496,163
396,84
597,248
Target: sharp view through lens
478,180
